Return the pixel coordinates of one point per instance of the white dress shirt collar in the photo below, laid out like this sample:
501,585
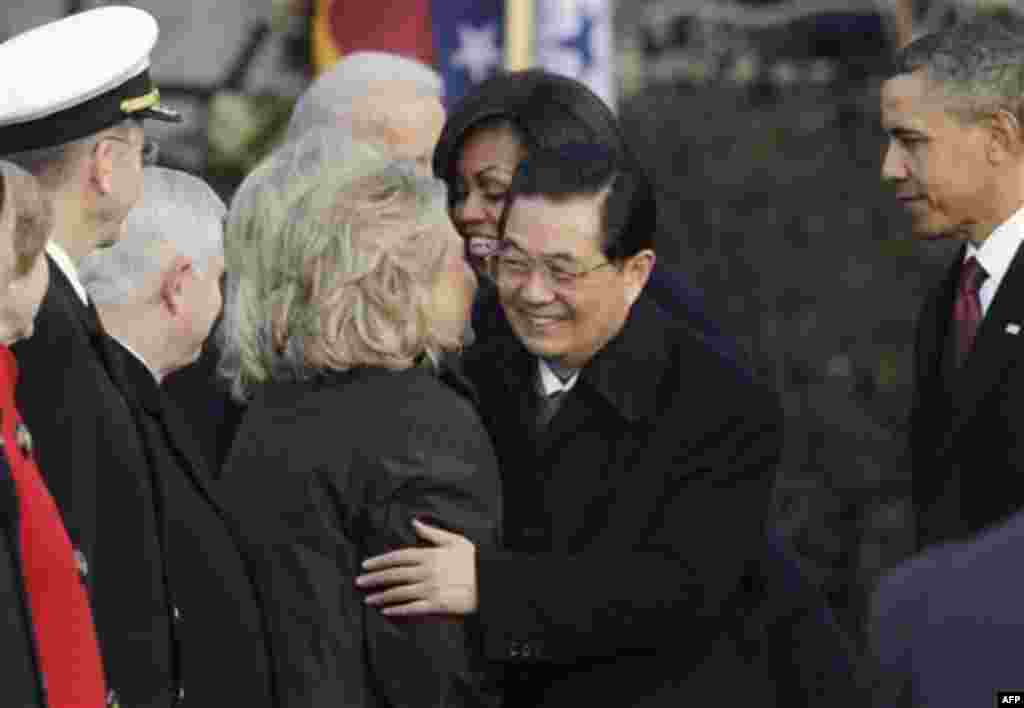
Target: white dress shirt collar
67,267
996,254
550,382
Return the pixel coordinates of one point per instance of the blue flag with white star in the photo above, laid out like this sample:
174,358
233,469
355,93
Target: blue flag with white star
574,37
469,42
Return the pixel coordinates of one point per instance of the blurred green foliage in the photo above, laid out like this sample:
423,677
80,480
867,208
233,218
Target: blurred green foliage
242,130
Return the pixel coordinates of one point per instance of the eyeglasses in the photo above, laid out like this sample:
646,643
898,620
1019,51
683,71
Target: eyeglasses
511,265
150,148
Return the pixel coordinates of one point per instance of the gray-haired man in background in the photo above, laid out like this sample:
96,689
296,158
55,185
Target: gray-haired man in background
158,289
158,294
378,98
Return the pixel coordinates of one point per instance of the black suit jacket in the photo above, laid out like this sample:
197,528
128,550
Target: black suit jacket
219,621
22,684
326,473
967,450
93,461
630,525
213,415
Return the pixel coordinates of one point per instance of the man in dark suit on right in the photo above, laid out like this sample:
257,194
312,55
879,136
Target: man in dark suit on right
946,625
952,109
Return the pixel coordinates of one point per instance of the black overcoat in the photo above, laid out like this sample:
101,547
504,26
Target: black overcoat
327,473
95,466
212,414
630,525
219,622
965,441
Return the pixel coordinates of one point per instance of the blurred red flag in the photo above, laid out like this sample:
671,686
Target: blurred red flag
341,27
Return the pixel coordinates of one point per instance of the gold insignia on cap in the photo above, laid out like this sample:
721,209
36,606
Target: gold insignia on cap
24,440
141,103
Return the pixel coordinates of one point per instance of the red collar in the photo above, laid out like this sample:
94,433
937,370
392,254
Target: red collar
8,375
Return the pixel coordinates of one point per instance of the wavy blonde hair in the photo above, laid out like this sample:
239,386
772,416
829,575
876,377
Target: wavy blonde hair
333,253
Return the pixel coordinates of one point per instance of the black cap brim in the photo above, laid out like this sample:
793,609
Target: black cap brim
135,98
161,113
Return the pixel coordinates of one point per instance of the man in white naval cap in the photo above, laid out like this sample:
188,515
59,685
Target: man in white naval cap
72,107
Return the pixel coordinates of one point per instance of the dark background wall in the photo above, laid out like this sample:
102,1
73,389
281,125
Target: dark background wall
774,207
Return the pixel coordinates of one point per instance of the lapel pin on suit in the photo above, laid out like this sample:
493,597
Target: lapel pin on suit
24,439
1013,328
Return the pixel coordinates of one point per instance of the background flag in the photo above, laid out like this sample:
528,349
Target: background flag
465,39
469,42
574,37
344,26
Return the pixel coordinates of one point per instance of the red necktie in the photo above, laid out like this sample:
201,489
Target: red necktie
69,657
967,308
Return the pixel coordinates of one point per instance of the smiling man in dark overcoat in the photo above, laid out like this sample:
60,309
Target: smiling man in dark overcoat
637,465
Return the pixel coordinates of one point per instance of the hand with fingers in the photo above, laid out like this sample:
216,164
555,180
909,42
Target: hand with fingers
440,579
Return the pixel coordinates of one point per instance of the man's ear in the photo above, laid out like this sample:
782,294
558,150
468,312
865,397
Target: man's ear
173,284
1007,138
101,166
637,271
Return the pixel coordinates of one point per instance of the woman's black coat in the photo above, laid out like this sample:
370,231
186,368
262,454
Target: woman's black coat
327,473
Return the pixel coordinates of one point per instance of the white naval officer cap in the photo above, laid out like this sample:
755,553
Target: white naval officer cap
74,77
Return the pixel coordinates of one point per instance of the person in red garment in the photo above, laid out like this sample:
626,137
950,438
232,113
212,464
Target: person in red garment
47,625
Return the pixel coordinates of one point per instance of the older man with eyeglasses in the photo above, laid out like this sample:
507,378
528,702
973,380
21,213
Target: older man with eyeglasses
636,465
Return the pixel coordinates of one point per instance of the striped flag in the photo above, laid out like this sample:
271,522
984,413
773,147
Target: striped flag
465,39
574,37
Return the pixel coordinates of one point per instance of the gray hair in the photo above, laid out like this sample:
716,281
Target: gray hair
176,209
332,95
330,262
977,64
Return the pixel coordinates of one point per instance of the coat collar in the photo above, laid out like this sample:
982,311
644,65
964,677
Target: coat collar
140,387
144,394
997,251
449,372
934,328
60,294
67,268
625,373
64,289
452,374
